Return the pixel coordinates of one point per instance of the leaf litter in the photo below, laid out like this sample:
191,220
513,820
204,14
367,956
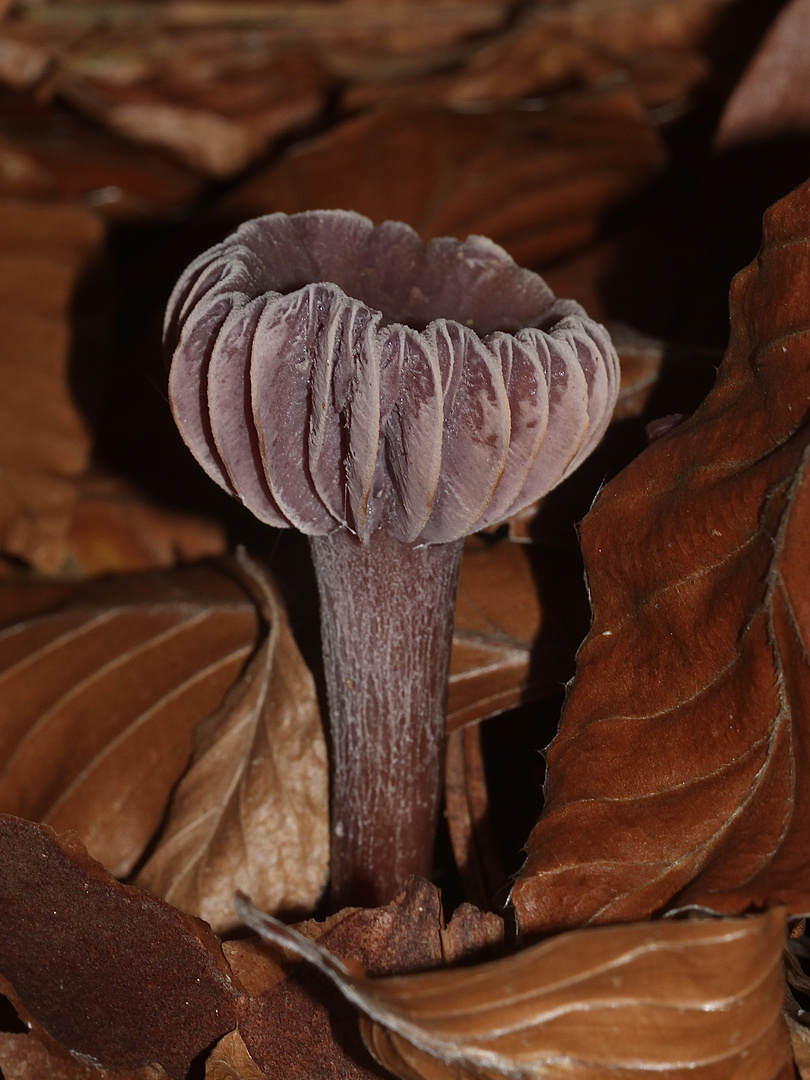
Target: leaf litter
666,60
701,615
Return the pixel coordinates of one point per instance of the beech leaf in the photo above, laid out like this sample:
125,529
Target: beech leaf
99,699
44,444
680,773
108,970
252,810
296,1025
537,183
698,999
495,664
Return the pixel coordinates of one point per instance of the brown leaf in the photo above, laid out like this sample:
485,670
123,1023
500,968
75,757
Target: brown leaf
698,999
99,699
44,446
536,183
115,529
679,773
111,972
301,1027
251,811
215,126
53,152
229,1060
800,1038
579,43
773,96
35,1056
518,624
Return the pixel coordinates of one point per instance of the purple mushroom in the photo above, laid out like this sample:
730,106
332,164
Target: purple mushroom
387,399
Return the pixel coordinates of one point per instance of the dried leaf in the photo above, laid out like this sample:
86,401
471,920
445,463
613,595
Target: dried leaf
99,699
35,1056
520,615
579,43
52,152
215,127
300,1027
773,96
111,972
693,687
230,1060
536,183
252,809
698,999
44,445
116,529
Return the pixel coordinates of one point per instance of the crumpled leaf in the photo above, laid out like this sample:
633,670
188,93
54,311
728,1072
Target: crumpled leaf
698,999
108,970
51,152
35,1056
116,529
230,1060
295,1025
44,445
251,811
100,696
510,597
538,183
773,96
679,775
800,1038
574,43
213,83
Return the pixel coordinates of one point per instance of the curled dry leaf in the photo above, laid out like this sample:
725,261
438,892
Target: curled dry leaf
509,594
111,972
35,1056
116,529
230,1060
694,998
536,183
44,445
578,43
100,696
296,1025
252,809
679,775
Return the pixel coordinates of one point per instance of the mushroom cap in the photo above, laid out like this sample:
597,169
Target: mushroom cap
331,373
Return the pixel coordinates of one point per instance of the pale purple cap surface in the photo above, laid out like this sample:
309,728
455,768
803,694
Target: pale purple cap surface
329,373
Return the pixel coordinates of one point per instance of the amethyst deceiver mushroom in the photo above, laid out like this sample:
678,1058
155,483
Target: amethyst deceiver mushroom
387,399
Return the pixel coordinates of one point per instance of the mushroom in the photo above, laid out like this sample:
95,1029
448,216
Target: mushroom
387,399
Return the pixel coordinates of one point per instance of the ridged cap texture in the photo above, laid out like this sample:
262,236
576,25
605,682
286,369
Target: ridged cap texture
331,373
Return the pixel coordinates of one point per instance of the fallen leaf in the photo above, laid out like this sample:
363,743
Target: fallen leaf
111,972
44,445
217,127
565,45
251,810
700,999
35,1056
536,183
230,1060
116,529
215,85
51,152
678,777
516,629
301,1027
773,96
99,699
800,1039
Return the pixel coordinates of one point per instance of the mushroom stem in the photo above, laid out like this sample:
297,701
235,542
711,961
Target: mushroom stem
387,627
